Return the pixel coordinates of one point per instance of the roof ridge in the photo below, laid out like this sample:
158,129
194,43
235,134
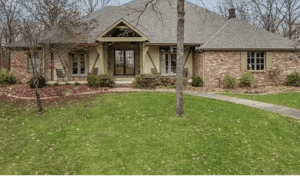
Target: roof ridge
262,29
214,35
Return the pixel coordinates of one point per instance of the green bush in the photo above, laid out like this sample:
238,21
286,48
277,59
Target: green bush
229,82
41,81
7,78
102,80
197,81
293,79
145,81
77,84
56,84
248,80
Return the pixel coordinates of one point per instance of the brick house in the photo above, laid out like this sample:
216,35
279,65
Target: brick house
214,46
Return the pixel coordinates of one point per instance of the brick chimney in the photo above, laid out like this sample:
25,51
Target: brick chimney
231,13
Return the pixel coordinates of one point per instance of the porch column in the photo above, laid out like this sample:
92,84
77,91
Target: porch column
143,52
100,50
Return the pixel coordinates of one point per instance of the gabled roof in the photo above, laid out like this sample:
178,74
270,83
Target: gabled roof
124,24
240,35
200,24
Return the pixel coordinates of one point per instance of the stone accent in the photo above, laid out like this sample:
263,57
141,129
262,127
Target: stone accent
18,67
219,63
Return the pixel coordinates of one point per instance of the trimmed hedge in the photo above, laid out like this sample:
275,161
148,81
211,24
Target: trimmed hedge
7,78
41,81
102,80
145,81
293,79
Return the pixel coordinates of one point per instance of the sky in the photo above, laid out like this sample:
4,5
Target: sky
209,4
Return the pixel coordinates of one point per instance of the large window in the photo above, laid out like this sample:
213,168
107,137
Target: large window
256,60
79,65
124,62
169,64
34,61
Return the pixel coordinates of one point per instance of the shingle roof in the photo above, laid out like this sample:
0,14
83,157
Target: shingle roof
200,24
237,34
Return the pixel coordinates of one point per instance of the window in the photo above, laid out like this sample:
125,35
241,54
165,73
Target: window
256,60
79,65
34,61
124,62
169,64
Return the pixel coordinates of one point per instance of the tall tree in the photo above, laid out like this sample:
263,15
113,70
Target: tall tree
47,12
291,12
179,109
10,14
89,6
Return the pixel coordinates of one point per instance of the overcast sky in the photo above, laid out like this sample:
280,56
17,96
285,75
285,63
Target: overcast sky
208,3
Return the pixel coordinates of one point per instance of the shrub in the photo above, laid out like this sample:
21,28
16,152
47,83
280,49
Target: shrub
293,79
7,78
167,81
248,80
145,81
229,82
77,84
102,80
197,81
56,84
41,81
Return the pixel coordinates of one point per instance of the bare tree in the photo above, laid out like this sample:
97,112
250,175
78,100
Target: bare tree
47,12
10,13
69,32
292,14
179,109
243,9
90,6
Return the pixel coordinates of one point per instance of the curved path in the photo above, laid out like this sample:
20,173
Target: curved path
256,104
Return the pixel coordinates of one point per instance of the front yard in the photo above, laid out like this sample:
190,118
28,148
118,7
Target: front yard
137,133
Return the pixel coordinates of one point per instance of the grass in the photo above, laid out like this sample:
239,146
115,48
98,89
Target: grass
288,99
137,133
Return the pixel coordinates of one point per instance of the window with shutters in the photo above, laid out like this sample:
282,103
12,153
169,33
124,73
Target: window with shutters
256,60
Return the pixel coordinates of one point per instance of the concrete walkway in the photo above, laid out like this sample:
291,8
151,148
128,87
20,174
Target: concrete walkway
256,104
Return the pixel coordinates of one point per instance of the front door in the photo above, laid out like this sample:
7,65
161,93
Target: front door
124,62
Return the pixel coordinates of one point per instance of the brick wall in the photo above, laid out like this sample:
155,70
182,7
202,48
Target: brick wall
19,67
218,63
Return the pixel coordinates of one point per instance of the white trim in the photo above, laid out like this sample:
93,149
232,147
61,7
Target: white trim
255,57
163,62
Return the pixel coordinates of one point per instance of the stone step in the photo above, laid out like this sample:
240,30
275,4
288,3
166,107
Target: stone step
124,79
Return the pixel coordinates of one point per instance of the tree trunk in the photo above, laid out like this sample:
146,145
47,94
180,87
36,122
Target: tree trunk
38,100
179,110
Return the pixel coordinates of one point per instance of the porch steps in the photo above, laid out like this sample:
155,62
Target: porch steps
123,83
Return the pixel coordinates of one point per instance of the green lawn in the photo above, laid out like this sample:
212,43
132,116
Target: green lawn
289,99
137,133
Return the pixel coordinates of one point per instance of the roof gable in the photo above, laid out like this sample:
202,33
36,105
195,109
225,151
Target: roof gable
121,31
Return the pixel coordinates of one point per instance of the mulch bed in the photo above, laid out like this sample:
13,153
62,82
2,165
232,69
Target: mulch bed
23,90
